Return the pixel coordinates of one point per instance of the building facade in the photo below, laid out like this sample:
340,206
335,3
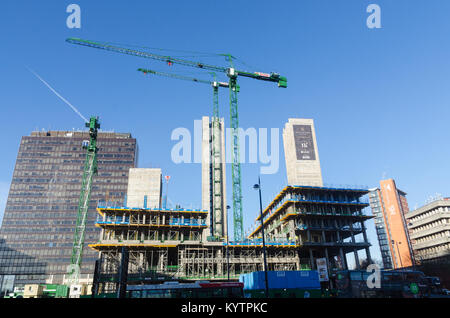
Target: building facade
40,215
301,153
430,231
389,206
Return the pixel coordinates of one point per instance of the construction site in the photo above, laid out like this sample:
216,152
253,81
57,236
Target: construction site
174,244
304,224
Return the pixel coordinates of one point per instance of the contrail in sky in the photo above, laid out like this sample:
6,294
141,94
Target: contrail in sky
57,94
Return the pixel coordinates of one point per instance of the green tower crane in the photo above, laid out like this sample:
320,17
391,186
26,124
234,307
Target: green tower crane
90,168
232,74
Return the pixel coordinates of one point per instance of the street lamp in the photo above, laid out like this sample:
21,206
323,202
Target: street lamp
258,187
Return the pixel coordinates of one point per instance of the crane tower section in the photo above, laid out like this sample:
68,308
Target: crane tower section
90,168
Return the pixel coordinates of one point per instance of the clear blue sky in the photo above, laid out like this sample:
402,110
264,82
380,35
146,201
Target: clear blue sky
379,98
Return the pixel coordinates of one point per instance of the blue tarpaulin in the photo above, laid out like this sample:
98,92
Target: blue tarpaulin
281,280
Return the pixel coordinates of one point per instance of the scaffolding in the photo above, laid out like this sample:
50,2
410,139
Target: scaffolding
174,245
194,262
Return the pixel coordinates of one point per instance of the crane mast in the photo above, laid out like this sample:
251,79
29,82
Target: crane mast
232,74
238,218
218,209
90,169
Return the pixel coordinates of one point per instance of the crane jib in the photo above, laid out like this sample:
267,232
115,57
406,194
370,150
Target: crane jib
272,77
144,54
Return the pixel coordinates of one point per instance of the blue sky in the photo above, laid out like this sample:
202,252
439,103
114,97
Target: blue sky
379,97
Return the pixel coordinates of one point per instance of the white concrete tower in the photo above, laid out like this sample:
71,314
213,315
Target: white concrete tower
213,179
301,153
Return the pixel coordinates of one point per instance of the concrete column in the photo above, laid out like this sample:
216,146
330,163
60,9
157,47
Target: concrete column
329,267
323,232
363,231
311,259
351,232
220,263
343,258
338,235
369,258
355,252
328,259
297,262
141,260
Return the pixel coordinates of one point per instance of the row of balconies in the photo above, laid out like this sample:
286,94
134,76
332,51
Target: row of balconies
431,242
303,227
433,218
437,206
338,244
306,199
435,229
424,255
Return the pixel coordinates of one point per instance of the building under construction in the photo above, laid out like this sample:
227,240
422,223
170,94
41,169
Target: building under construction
324,222
168,244
303,223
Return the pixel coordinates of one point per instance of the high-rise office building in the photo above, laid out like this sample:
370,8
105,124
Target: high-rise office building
301,153
430,232
38,225
383,241
389,206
